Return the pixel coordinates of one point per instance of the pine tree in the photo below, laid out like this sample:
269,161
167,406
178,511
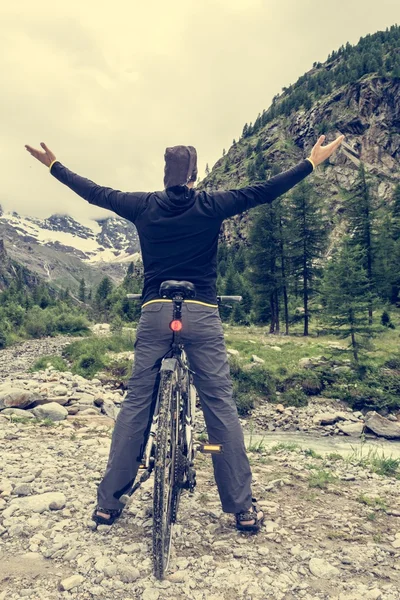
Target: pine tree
308,237
362,214
207,170
82,290
395,257
346,294
263,272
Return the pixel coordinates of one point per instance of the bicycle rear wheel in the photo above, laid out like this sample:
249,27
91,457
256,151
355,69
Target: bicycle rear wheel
165,452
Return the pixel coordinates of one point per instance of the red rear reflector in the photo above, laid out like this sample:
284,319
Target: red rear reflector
176,325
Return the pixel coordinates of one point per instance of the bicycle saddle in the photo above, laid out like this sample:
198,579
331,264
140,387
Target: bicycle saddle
169,288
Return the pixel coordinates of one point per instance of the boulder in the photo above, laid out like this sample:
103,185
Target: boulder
232,352
60,390
351,428
110,409
13,397
257,359
40,502
18,412
327,418
52,411
58,399
382,426
322,569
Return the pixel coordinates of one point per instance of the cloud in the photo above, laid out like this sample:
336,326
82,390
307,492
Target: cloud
108,87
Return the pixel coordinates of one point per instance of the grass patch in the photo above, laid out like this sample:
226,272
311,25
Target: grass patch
285,446
374,502
203,499
57,362
334,456
375,460
35,421
90,356
320,479
310,452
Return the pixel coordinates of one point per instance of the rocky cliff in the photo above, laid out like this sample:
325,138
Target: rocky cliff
367,112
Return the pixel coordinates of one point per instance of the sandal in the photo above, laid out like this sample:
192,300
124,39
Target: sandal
113,515
250,520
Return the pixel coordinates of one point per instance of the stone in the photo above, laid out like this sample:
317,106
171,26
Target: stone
382,426
232,352
52,411
39,502
24,489
276,348
71,582
13,397
305,363
257,359
60,390
62,400
109,408
177,577
327,418
18,412
150,594
342,369
280,408
127,573
351,429
322,569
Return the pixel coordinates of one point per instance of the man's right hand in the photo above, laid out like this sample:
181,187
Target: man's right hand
46,156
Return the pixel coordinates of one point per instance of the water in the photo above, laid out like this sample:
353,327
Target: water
325,445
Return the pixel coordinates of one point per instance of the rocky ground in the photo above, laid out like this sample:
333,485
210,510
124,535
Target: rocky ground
332,527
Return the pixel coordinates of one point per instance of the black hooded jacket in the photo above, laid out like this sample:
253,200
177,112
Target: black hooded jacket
179,228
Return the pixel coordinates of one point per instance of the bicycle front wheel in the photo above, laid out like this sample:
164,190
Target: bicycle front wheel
165,451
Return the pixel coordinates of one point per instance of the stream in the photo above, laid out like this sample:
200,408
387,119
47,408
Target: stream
328,444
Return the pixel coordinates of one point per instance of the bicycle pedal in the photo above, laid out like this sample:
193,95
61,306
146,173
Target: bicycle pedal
210,448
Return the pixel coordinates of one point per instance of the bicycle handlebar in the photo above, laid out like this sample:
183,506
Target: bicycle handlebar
134,296
220,299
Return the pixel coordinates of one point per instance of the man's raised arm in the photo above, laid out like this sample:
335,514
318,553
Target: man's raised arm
124,204
226,204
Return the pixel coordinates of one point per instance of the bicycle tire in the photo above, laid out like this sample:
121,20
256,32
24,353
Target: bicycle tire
163,476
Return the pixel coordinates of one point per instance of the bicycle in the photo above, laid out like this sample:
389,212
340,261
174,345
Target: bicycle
170,447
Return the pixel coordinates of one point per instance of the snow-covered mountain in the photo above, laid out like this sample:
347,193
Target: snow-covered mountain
62,249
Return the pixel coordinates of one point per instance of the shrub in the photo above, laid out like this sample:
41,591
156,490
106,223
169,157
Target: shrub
69,322
393,362
245,402
254,379
120,369
310,382
3,339
39,322
56,362
88,365
294,397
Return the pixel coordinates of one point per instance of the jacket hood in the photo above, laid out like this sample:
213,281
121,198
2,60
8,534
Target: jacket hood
176,199
180,165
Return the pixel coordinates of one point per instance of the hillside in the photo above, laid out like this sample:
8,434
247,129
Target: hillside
356,92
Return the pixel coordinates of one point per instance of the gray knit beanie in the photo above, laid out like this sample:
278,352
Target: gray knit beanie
180,165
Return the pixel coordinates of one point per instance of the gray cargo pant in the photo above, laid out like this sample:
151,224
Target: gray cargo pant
202,335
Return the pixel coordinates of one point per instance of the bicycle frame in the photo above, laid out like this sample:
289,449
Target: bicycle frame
188,395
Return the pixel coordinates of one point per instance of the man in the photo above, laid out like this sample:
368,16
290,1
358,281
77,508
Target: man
178,231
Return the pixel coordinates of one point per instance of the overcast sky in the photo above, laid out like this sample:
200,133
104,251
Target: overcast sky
109,85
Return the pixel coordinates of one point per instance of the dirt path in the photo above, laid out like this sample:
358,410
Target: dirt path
332,529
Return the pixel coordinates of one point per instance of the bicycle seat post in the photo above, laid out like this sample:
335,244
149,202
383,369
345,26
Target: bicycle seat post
177,300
